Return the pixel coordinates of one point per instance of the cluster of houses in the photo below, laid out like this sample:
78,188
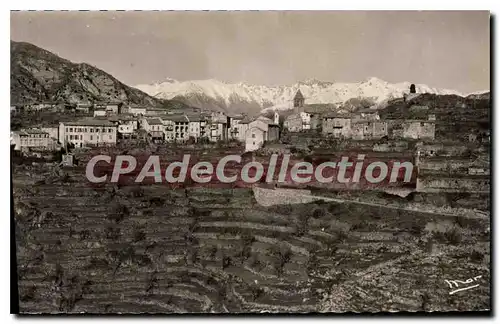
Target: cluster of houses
359,125
108,122
111,122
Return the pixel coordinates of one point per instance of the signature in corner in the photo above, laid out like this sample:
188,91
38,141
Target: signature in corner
465,285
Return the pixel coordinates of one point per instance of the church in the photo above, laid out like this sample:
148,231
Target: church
300,120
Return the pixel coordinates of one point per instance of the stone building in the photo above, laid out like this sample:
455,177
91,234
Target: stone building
368,129
366,114
300,120
337,125
419,129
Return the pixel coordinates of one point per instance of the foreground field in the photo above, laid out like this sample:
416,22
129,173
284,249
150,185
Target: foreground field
149,249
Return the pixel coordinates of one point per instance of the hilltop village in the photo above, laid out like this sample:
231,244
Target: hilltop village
417,124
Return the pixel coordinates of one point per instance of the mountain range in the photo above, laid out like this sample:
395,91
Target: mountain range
244,97
38,75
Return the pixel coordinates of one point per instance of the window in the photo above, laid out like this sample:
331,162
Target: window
91,130
110,137
253,135
81,137
67,129
71,129
91,137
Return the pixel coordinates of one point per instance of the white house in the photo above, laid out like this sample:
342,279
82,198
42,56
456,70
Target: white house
31,138
197,126
176,127
137,110
234,121
87,131
154,127
100,112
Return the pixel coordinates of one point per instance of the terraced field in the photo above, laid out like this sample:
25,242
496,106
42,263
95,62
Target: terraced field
157,250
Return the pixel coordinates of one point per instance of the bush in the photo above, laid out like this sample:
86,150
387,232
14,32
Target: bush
477,256
112,233
341,236
139,235
318,213
119,213
453,236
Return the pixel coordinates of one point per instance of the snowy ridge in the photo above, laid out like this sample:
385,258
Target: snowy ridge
280,97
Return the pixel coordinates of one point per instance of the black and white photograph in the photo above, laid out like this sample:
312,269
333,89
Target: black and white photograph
250,162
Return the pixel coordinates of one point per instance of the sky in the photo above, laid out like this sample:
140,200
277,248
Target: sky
444,49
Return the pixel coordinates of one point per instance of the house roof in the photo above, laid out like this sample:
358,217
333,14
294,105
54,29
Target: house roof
176,118
319,108
248,120
256,127
337,115
122,117
367,121
89,122
298,95
31,131
367,111
154,121
195,118
235,116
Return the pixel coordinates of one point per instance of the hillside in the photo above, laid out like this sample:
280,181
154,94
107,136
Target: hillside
456,116
39,75
214,94
151,249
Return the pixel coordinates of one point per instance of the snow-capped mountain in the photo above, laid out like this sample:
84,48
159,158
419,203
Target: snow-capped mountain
243,97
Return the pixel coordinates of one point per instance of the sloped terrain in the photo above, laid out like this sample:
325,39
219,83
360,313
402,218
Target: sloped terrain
38,75
152,249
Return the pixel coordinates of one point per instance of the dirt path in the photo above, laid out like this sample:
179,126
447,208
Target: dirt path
275,196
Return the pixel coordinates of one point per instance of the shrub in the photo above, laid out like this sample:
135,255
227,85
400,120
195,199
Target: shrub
28,294
119,213
318,213
256,292
139,235
453,236
247,239
342,236
112,233
283,253
226,262
476,256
